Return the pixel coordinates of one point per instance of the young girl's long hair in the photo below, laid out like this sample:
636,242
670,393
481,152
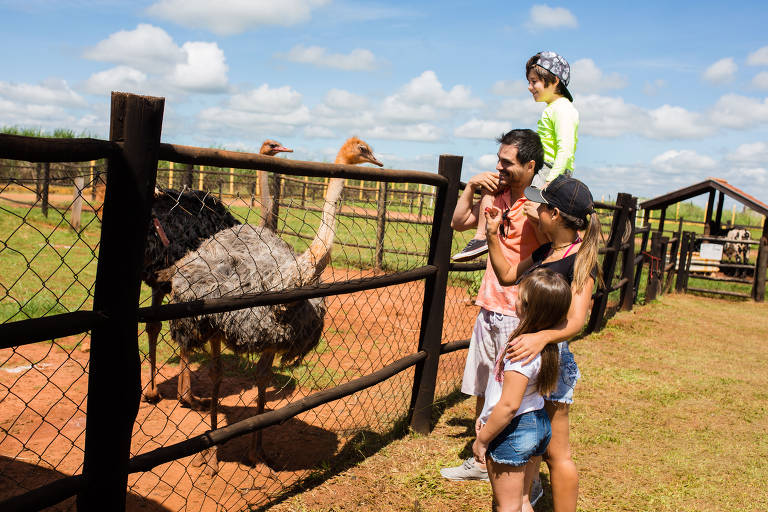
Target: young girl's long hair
545,297
586,258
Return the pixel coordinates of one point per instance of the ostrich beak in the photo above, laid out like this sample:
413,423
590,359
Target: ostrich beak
282,149
373,160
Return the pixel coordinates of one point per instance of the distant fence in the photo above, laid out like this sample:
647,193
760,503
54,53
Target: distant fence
381,358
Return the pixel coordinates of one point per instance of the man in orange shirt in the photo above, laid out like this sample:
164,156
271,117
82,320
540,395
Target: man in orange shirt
520,157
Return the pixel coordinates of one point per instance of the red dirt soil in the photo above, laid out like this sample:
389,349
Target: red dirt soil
363,332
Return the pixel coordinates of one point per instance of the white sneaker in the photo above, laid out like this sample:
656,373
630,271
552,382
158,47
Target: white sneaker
468,470
537,491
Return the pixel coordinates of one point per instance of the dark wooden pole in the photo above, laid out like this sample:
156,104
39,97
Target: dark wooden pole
708,215
628,259
430,338
643,248
381,223
186,176
46,187
114,380
673,256
654,260
618,225
719,215
662,218
686,246
758,289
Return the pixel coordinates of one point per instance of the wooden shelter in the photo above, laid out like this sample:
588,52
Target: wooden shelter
713,225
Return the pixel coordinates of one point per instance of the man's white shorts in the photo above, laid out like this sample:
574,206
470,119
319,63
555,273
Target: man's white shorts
489,337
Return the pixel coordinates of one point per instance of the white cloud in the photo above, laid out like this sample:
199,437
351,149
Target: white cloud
205,69
52,92
520,111
739,112
357,60
319,132
609,116
676,122
482,129
749,154
759,57
760,80
345,100
147,48
721,71
510,88
278,100
228,17
424,132
683,162
194,67
487,161
425,99
586,76
652,88
120,78
544,16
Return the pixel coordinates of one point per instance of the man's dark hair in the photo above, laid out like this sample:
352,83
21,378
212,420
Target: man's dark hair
528,146
544,75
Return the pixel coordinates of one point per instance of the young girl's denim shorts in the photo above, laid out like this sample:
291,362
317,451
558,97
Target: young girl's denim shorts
569,375
525,437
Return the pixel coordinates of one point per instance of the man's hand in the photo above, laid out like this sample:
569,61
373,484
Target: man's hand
488,181
525,347
492,221
531,210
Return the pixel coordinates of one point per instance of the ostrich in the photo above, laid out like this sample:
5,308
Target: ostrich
180,221
250,259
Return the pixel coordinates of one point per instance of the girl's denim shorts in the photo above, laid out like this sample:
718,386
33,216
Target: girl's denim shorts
525,437
569,375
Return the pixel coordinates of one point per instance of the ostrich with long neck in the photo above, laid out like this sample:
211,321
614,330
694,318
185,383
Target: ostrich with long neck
181,221
249,259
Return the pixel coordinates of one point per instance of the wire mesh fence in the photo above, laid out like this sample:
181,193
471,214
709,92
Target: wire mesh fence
52,270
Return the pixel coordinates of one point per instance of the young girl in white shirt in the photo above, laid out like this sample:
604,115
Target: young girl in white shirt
513,426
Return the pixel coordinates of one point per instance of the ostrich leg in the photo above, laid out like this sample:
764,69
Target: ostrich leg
153,330
263,379
209,456
184,389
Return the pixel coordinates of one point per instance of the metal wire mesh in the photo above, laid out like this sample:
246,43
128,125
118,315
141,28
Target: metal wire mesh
48,267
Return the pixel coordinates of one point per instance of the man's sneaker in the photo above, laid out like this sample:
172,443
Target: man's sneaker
467,471
474,248
537,491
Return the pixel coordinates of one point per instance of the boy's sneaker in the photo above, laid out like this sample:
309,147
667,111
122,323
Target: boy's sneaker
474,248
537,491
467,471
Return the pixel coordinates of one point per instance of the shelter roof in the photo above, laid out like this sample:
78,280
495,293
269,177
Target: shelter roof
702,188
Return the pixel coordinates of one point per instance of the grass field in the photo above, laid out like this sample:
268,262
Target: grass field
670,415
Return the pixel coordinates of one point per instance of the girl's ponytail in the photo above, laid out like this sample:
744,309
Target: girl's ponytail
586,258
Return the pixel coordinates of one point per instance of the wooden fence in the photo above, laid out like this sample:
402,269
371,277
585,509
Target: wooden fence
114,385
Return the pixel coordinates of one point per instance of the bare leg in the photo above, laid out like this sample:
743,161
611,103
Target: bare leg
562,469
263,379
507,483
153,330
479,404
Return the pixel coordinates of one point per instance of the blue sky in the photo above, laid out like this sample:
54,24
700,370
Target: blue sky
668,93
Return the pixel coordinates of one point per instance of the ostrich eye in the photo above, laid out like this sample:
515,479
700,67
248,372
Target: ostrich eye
363,149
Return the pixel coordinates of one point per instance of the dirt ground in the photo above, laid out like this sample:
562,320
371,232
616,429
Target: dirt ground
43,391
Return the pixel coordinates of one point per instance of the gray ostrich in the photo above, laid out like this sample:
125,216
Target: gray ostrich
181,221
250,259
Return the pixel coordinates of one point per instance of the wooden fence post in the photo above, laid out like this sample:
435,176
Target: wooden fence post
686,246
674,253
272,209
664,245
627,298
231,181
758,288
381,223
114,380
643,249
200,178
652,288
618,225
46,187
77,202
187,178
430,337
91,183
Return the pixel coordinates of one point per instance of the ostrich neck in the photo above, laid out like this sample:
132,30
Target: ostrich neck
313,261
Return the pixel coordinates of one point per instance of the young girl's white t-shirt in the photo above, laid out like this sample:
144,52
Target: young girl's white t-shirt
532,400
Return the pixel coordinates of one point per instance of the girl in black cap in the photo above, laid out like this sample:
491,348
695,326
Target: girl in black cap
565,210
